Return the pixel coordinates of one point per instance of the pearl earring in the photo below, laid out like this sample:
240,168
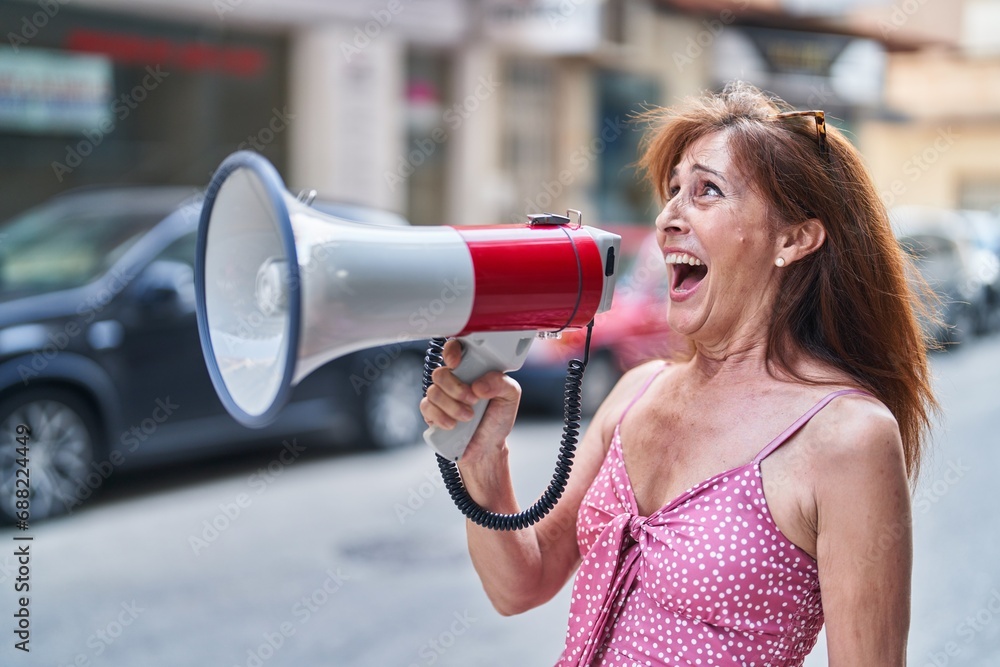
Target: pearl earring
779,262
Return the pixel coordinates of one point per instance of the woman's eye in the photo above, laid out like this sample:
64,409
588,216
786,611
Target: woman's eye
711,188
708,188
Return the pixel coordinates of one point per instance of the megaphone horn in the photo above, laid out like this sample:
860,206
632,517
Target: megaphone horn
283,288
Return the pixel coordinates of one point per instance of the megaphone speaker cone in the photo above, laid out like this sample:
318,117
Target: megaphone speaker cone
247,279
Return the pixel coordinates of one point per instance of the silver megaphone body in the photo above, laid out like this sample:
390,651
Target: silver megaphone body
283,288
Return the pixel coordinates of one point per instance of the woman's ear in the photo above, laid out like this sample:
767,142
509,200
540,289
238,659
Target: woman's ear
801,239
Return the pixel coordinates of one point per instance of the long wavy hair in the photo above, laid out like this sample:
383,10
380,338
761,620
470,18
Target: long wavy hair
853,303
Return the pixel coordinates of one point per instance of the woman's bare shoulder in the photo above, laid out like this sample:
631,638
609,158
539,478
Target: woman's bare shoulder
852,425
855,425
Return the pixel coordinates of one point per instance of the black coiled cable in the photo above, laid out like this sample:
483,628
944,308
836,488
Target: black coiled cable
571,431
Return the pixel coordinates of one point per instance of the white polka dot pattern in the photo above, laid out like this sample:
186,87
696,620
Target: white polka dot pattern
708,579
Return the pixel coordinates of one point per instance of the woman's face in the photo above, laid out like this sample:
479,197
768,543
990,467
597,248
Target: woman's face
718,246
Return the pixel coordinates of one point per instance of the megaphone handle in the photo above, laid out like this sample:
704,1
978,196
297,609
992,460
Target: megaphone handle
481,353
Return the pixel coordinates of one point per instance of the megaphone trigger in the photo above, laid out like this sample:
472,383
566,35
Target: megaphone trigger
481,353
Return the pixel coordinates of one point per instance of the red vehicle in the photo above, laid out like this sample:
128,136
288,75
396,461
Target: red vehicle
634,330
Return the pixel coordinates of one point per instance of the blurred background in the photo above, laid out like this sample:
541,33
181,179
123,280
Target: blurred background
164,533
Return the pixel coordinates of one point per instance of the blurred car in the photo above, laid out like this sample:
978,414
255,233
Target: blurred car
942,246
984,231
100,355
633,331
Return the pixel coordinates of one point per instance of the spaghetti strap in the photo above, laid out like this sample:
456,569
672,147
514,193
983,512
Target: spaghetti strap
642,391
802,421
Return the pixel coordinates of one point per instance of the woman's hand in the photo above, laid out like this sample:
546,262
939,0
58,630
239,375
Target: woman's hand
449,401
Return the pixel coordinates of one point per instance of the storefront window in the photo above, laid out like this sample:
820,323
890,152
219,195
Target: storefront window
427,136
177,98
528,137
621,196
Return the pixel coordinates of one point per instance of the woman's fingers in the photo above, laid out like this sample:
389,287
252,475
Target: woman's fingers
497,385
448,400
443,409
452,354
435,416
444,379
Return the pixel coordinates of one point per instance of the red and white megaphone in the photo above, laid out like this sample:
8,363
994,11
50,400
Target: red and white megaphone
283,289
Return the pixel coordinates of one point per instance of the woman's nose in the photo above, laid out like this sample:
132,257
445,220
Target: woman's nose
671,218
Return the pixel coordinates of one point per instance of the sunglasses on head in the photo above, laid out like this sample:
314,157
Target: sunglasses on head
820,117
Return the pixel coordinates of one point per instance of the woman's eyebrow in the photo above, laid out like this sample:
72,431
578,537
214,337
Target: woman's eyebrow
700,167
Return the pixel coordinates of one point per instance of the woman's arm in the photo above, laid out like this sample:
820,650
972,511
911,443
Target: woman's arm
864,536
519,569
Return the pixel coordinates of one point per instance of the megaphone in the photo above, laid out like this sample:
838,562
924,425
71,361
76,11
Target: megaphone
283,288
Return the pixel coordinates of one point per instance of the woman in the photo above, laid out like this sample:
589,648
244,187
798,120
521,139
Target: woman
724,504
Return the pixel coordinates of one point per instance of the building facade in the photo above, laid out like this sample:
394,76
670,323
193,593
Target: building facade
459,111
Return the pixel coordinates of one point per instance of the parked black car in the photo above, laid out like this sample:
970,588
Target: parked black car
100,357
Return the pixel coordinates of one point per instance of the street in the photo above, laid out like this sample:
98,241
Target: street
295,557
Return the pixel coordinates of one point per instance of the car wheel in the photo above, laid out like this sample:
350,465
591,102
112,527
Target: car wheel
599,379
391,404
60,451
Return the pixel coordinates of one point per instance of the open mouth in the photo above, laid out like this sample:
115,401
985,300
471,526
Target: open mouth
687,272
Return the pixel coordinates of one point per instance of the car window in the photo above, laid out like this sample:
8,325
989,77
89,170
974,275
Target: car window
63,246
181,250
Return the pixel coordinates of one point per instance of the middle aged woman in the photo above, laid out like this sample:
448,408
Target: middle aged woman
724,504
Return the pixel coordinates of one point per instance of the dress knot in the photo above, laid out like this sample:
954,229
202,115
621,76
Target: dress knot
635,526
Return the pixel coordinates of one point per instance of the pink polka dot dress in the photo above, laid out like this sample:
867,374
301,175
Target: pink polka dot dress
708,579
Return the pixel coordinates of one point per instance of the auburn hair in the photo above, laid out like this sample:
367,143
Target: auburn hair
852,303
